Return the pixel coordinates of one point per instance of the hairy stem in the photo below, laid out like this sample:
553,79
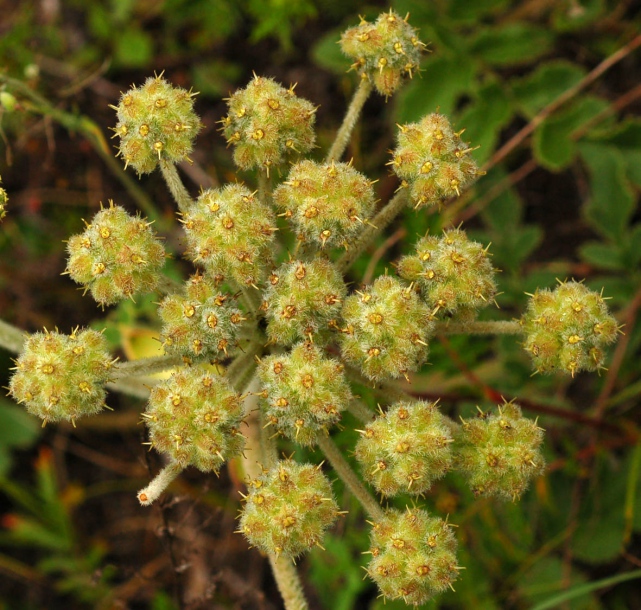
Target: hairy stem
373,229
11,338
288,583
176,186
360,411
344,133
491,327
160,482
145,366
347,475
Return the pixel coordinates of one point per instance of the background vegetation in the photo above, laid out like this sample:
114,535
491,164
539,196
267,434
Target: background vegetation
548,88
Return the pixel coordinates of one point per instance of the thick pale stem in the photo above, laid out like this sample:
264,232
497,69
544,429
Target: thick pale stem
288,583
490,327
239,372
161,481
259,448
176,186
373,229
265,187
347,475
145,366
353,112
11,338
360,411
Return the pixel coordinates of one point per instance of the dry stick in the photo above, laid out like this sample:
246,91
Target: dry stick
605,65
347,475
176,186
344,133
380,252
373,229
617,359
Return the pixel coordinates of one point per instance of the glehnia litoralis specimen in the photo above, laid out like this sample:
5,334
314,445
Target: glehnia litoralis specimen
291,337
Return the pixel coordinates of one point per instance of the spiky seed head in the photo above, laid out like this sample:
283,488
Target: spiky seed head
61,377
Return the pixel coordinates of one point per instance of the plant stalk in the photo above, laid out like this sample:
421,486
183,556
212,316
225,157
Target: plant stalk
176,186
353,112
490,327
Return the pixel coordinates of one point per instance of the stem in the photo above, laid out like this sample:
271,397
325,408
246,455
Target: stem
176,186
11,338
239,370
288,583
360,411
146,366
373,229
493,327
344,133
265,187
160,482
347,475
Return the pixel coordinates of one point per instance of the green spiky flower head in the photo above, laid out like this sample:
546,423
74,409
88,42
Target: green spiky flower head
304,392
384,51
61,377
303,300
117,256
432,161
386,329
453,273
194,418
413,555
568,329
327,203
156,122
267,124
202,323
231,233
288,509
499,453
405,449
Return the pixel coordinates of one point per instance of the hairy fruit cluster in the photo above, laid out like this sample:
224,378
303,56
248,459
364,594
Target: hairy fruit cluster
386,329
568,329
413,555
384,51
117,256
304,392
454,274
3,202
288,509
266,123
194,418
326,203
61,377
303,300
231,233
432,161
202,323
499,453
406,448
156,122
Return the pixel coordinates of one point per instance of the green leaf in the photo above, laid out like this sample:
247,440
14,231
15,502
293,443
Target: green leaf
543,86
327,53
213,77
511,44
470,11
627,138
612,200
18,429
503,212
553,146
484,118
605,256
441,83
133,48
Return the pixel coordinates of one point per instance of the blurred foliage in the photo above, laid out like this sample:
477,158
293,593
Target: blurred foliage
563,203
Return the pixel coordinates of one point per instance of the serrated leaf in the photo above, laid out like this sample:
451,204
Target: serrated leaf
552,145
612,201
543,86
627,138
484,117
440,85
511,44
605,256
